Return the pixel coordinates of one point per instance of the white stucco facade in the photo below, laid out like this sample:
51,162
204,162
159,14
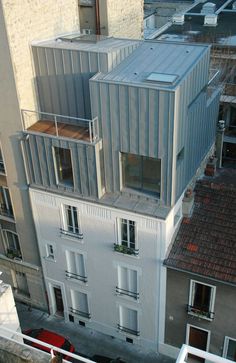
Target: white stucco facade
102,266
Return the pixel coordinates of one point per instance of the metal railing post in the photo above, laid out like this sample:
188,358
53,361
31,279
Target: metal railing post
55,120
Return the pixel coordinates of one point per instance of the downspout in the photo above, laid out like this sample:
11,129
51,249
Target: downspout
98,30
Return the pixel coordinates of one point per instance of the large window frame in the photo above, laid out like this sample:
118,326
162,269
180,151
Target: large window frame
201,295
226,347
72,225
63,165
2,163
12,244
141,173
127,237
6,208
127,282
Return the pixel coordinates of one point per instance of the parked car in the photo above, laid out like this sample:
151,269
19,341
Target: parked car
103,359
48,337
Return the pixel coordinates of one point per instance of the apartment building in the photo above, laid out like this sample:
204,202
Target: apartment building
108,157
213,23
20,24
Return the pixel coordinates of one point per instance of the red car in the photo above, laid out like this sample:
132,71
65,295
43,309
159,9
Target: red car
48,337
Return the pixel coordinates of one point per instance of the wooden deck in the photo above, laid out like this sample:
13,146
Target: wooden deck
64,130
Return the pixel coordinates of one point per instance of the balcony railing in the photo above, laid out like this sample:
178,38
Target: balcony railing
72,234
128,330
6,212
80,313
120,291
200,312
13,253
126,250
60,126
72,275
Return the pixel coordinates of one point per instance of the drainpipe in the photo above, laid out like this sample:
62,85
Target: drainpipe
219,141
98,30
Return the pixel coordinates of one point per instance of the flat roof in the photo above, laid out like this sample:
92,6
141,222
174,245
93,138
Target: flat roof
194,30
152,59
87,43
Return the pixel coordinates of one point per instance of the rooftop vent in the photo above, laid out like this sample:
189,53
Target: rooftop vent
210,20
234,6
178,19
208,8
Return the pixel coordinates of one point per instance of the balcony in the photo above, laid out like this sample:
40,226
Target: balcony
126,250
127,330
83,314
200,312
13,253
6,212
60,126
72,275
120,291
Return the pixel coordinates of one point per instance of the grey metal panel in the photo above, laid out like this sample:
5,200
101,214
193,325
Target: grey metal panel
35,160
49,160
42,161
92,174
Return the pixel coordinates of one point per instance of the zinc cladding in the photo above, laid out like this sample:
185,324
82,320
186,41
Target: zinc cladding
174,59
206,242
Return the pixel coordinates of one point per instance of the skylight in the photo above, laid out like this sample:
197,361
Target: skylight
162,77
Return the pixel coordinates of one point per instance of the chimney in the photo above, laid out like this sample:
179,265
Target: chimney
211,166
187,204
219,141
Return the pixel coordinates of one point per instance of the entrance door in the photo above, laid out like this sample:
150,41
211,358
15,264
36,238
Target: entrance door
59,301
197,339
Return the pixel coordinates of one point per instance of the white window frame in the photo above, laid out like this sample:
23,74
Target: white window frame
65,230
226,346
3,163
84,278
88,313
128,232
197,327
6,241
129,334
129,292
191,299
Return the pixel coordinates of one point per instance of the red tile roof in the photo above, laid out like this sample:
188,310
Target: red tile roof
206,242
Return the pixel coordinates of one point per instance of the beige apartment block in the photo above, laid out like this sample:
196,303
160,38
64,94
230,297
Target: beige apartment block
21,22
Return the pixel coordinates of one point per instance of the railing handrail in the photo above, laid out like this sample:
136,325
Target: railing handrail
135,251
187,349
79,312
80,277
128,330
127,292
208,314
57,115
72,234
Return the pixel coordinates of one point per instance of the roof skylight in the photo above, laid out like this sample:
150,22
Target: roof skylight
162,77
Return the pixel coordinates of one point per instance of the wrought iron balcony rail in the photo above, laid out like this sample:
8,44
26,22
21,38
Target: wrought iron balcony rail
120,291
13,253
80,313
72,275
127,330
126,250
6,212
60,126
200,312
72,234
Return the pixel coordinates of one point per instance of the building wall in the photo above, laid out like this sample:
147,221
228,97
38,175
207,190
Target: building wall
100,228
20,23
177,298
121,18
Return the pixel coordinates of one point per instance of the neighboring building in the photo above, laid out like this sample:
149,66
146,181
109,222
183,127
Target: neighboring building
106,191
201,271
20,23
112,18
213,23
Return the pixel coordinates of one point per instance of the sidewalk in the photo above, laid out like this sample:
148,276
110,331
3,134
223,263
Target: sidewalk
87,341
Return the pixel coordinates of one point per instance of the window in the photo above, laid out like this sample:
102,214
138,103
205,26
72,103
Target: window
201,300
63,165
127,282
229,351
79,301
128,321
75,266
141,173
5,203
21,284
50,251
12,244
2,167
180,156
127,237
71,222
